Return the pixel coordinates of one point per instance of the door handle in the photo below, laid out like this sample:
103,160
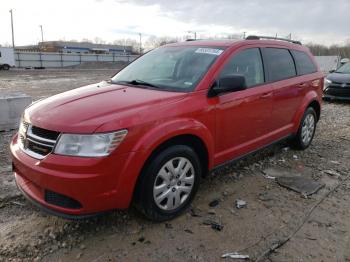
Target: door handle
266,95
302,85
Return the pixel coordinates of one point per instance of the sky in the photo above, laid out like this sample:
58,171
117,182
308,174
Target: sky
323,21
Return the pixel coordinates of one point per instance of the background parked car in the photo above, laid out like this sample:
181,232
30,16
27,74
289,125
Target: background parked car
337,84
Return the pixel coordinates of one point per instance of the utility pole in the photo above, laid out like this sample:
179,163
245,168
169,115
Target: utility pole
13,36
42,34
244,35
140,42
194,33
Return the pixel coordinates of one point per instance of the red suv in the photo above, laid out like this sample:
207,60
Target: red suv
149,134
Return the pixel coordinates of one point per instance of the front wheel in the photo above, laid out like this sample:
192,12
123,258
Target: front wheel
169,183
306,130
6,67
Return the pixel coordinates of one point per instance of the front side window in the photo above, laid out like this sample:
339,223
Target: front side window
280,64
177,68
247,63
304,63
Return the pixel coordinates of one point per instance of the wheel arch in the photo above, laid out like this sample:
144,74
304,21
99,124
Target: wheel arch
310,100
191,140
317,107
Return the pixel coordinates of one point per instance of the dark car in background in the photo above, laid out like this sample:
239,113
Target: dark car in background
337,84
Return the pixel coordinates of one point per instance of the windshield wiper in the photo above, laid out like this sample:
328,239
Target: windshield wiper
137,82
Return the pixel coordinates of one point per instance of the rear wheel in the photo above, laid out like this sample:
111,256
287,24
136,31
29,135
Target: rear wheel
169,183
6,67
306,130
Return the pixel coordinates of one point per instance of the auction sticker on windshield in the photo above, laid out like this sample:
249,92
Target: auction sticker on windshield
210,51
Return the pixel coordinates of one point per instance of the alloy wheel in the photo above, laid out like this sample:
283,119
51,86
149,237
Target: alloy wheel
174,183
307,129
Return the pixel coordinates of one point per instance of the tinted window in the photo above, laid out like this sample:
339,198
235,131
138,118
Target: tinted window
304,63
280,63
247,63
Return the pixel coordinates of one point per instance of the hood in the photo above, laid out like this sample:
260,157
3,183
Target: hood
84,109
339,78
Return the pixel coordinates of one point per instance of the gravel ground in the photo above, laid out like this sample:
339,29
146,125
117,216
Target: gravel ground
277,224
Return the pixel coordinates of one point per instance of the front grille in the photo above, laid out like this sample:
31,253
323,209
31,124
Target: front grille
38,148
337,91
337,84
60,200
48,134
35,141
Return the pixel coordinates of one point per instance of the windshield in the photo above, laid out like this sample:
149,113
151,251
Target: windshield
169,68
345,69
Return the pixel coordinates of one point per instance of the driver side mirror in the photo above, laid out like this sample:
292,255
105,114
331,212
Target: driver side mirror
229,83
331,71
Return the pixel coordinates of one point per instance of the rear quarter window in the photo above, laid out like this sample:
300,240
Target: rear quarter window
280,63
303,63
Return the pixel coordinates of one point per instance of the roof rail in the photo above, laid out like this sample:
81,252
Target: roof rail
258,37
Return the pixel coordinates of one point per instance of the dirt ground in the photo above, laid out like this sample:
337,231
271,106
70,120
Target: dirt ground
277,225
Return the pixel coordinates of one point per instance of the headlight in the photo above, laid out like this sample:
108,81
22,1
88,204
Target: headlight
327,83
95,145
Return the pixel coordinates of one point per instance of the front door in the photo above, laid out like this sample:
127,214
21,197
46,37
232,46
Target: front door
243,118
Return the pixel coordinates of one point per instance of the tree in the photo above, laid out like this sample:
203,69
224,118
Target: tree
335,50
154,41
135,46
98,40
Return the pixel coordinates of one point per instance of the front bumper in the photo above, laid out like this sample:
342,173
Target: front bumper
20,183
342,98
93,185
339,93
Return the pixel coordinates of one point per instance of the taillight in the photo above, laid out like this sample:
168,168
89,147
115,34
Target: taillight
316,83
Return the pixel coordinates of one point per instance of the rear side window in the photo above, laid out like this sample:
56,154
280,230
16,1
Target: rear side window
280,64
247,63
303,63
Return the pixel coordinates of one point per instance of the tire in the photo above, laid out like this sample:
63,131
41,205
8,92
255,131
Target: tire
5,67
162,194
306,131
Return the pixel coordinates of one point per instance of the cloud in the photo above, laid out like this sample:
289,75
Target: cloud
322,20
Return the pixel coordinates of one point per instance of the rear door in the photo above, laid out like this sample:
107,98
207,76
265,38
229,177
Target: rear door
305,71
243,117
287,88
